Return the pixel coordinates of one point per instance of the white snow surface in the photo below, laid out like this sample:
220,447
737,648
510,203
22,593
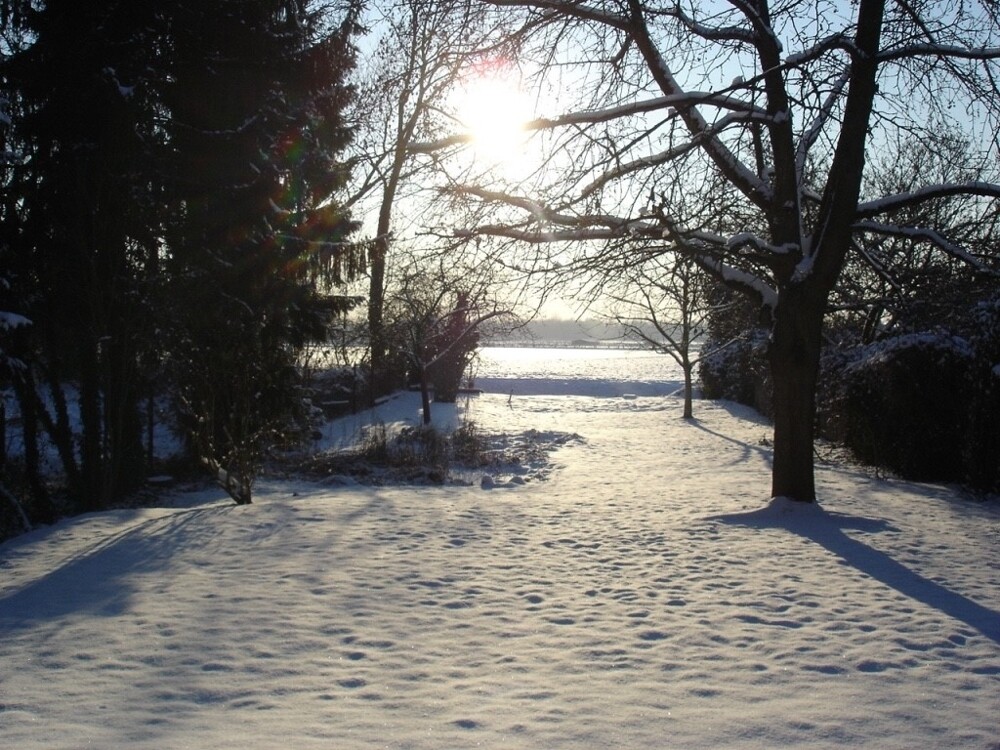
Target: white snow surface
647,594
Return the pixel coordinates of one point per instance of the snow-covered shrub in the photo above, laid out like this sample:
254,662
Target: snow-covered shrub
469,445
903,404
452,349
738,371
982,448
336,391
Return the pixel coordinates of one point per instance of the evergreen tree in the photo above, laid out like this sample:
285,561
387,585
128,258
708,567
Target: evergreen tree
76,228
255,98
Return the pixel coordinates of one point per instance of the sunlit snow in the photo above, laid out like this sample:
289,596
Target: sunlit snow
647,594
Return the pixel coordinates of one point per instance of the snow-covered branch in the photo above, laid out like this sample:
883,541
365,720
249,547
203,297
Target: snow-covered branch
571,8
544,236
835,41
737,279
544,215
430,147
924,234
711,33
679,100
760,246
928,193
719,99
928,49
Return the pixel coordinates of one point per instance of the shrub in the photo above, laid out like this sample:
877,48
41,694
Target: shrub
903,404
739,371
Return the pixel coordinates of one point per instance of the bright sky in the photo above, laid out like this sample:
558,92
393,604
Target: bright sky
492,104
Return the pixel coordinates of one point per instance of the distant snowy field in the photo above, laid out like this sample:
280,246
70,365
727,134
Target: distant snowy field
595,372
645,595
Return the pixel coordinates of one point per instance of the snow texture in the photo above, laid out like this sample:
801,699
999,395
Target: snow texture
645,595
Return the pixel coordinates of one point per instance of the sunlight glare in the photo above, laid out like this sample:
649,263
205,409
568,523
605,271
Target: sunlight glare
495,110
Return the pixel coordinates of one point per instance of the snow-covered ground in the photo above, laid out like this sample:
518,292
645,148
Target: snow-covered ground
645,595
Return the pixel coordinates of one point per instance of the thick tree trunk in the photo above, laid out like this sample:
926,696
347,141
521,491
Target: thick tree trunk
794,359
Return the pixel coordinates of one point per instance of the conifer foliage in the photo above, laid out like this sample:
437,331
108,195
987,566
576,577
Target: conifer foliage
255,92
168,223
76,230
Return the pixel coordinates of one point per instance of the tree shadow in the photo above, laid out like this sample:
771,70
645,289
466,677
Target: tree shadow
827,528
765,453
95,580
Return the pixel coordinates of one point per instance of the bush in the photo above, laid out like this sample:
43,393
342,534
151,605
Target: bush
421,446
739,371
910,404
454,347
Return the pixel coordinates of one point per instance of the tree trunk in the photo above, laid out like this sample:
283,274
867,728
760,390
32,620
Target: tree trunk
92,466
377,342
27,399
376,324
59,429
794,359
798,318
125,457
688,388
425,395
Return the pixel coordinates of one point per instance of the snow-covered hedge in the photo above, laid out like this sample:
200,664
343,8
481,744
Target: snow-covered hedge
738,371
922,405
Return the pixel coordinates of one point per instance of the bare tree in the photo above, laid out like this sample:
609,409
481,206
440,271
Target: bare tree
416,56
776,106
435,319
664,304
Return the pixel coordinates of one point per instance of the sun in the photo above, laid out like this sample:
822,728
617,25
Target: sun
494,112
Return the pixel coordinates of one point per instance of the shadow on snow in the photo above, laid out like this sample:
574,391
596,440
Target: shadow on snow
827,528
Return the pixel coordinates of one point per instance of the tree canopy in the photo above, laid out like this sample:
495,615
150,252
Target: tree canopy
737,134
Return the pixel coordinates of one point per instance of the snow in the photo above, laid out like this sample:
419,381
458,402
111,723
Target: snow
646,594
9,320
929,341
754,242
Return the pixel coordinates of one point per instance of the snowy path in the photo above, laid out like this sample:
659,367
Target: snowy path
643,597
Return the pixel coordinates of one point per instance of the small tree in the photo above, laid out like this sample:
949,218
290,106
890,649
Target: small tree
417,55
455,346
664,304
435,324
